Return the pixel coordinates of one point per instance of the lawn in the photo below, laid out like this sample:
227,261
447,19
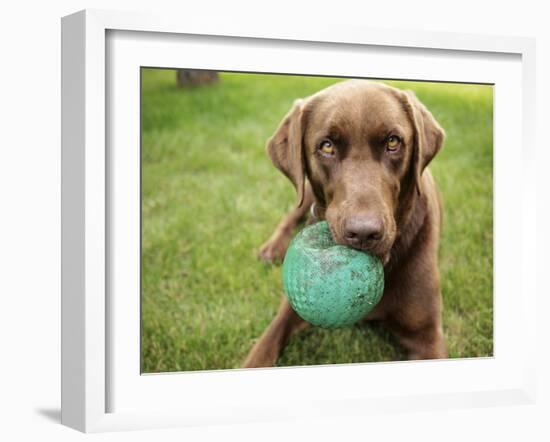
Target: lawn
210,198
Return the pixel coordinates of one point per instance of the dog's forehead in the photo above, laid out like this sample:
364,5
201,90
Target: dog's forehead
361,103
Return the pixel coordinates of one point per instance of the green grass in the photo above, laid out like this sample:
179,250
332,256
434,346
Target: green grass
210,197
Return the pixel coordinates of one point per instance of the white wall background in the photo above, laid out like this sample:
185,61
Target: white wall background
30,215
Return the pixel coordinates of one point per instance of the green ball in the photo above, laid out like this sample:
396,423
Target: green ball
327,284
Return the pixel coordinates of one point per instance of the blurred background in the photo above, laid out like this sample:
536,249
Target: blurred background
211,197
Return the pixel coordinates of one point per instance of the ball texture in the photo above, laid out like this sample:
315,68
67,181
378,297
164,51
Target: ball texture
327,284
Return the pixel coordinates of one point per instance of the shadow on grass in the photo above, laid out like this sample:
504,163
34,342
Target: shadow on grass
343,346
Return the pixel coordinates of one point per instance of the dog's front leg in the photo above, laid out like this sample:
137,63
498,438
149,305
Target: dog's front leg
266,350
426,342
274,249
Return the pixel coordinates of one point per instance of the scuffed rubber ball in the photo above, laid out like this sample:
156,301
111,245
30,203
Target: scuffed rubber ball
327,284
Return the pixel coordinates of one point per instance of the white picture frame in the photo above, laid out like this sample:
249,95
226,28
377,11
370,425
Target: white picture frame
95,364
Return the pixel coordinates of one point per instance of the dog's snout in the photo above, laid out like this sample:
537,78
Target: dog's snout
363,231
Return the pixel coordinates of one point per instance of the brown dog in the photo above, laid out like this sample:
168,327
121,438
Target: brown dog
357,151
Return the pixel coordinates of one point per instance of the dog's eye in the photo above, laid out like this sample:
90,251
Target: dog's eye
326,147
392,143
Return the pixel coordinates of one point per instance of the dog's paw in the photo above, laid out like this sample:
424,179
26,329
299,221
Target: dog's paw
273,250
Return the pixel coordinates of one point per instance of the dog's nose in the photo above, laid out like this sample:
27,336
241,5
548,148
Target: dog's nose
363,231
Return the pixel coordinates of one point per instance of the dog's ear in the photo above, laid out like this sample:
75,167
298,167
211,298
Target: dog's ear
428,137
285,148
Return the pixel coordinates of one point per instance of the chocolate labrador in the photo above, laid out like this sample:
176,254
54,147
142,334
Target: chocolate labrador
357,153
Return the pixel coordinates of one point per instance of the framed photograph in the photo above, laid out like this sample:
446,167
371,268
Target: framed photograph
199,156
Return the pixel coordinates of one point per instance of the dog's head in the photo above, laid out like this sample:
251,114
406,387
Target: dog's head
363,147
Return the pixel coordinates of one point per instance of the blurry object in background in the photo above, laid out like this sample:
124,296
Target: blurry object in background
191,78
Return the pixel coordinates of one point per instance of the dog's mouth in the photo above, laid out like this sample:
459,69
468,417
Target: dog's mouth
381,248
379,245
